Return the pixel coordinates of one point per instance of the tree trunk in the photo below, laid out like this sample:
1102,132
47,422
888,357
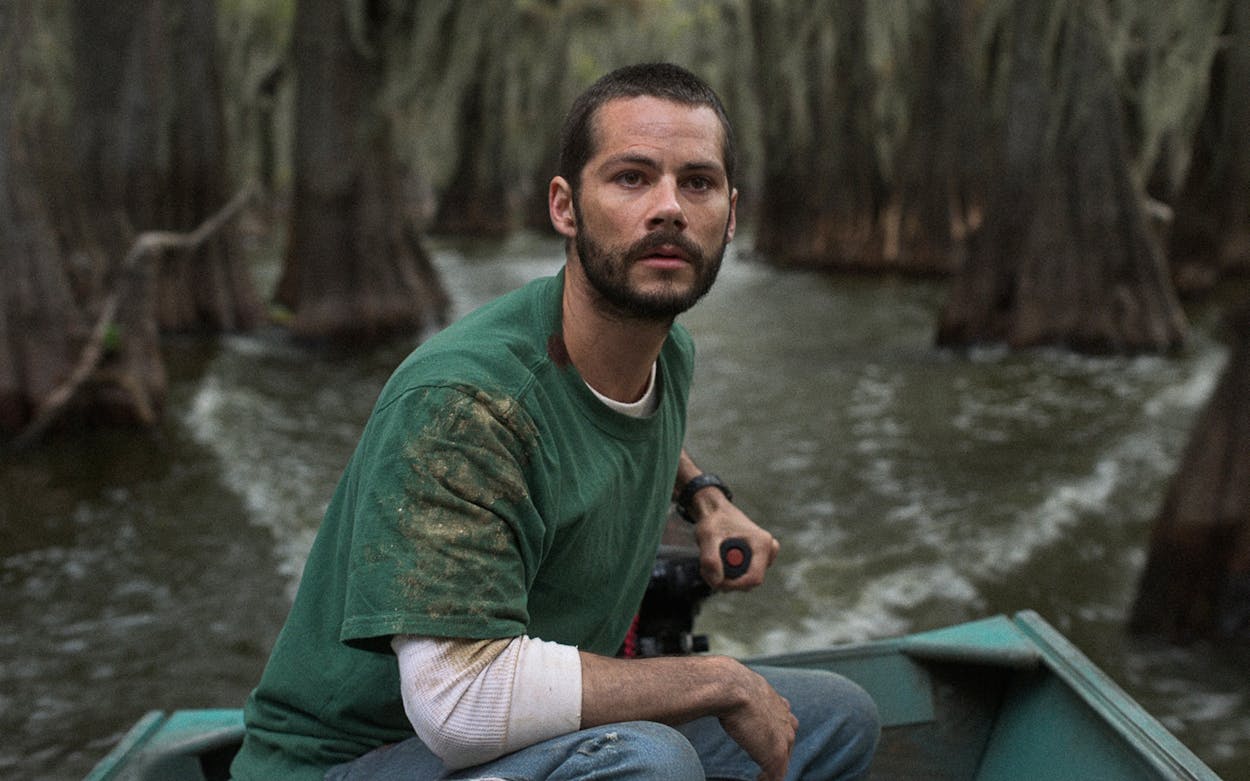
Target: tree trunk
821,189
1197,577
74,163
930,212
500,71
354,266
208,288
156,138
121,91
41,319
1211,231
476,199
1065,256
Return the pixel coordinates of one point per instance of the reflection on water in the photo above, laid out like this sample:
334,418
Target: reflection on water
911,488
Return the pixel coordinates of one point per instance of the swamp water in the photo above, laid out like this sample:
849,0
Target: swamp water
911,488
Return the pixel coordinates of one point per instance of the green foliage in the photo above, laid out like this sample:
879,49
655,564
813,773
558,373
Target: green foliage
254,39
112,342
280,315
1162,51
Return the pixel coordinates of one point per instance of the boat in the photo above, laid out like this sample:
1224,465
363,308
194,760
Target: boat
997,698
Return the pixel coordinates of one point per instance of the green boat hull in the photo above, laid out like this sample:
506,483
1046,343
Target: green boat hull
996,699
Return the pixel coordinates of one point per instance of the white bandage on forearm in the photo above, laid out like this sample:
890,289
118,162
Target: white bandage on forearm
473,700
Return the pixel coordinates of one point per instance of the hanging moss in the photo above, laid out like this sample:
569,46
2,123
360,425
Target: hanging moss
1161,53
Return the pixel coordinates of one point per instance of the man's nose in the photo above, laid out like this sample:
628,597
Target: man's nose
666,208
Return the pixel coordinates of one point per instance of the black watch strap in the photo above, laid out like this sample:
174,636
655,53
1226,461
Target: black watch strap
696,484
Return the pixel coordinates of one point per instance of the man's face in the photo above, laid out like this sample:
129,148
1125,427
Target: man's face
654,211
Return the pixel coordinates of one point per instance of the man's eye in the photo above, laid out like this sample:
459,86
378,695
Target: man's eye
699,183
629,178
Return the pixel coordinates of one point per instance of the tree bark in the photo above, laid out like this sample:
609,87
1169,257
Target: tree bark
476,201
40,316
156,140
499,69
207,288
931,211
1211,232
118,82
354,267
821,189
1065,256
1197,577
75,161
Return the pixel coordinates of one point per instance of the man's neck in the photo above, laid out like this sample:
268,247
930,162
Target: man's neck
613,354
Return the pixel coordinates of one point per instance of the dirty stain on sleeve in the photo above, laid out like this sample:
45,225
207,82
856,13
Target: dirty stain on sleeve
456,533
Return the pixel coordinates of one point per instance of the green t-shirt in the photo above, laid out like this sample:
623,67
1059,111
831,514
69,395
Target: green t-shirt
491,495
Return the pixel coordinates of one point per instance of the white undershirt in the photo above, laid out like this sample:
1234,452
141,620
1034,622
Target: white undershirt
471,701
635,409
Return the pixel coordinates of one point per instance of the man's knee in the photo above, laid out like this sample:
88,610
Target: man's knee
858,728
862,726
859,706
643,750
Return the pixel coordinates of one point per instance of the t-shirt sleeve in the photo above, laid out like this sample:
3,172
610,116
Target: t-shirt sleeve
445,533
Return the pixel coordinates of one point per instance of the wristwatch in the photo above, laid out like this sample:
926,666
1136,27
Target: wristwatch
696,484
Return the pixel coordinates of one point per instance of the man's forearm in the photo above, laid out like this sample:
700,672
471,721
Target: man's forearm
669,690
675,690
687,470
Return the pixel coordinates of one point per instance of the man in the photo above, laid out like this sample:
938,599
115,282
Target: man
493,534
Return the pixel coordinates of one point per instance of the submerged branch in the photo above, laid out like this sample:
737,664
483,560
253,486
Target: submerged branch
146,244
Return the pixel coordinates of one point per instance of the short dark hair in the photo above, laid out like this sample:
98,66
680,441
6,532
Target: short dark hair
656,80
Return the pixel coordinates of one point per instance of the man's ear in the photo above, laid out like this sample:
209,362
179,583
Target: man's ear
560,207
732,226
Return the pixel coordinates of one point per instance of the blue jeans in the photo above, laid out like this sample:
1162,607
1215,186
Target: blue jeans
838,731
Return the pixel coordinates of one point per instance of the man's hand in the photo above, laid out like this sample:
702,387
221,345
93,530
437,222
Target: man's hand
719,520
764,727
675,690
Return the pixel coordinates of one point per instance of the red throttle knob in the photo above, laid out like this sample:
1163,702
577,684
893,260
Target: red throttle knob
735,557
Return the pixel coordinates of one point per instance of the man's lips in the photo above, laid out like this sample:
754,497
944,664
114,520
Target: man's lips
665,255
664,262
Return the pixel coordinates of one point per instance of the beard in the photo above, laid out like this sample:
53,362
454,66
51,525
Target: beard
607,270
